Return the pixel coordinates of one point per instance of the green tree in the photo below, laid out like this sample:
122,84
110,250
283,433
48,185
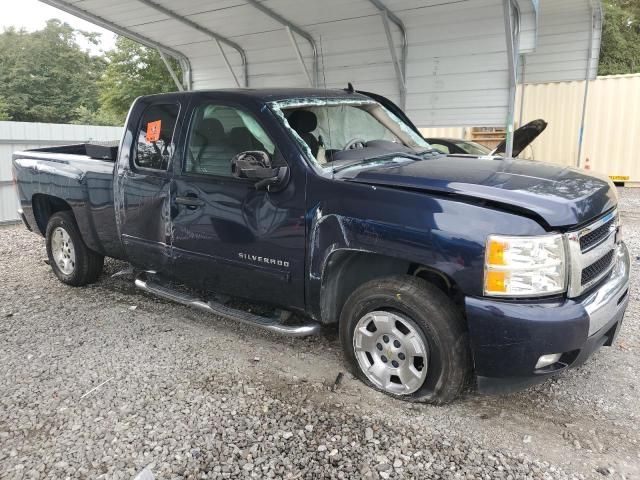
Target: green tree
84,116
620,50
132,70
4,109
46,75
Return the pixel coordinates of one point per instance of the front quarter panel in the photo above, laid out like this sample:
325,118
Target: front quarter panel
442,233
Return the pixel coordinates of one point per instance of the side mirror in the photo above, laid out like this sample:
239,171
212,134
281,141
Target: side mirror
256,165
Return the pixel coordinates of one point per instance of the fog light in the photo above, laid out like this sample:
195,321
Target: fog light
548,359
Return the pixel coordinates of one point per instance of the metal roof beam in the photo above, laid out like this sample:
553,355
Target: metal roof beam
394,58
89,17
174,77
596,23
401,71
303,65
511,31
217,37
186,73
294,28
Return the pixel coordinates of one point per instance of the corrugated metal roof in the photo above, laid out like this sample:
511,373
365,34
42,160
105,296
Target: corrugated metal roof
456,71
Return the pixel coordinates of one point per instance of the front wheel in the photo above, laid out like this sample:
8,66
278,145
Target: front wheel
405,337
70,258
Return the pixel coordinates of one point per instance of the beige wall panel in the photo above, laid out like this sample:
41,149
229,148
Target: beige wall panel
444,132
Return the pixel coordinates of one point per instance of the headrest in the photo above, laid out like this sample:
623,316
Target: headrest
303,121
212,129
240,135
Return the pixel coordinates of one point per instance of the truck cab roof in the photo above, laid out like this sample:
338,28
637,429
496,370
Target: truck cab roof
275,94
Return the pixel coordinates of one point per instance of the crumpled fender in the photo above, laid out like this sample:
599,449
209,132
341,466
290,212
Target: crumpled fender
443,234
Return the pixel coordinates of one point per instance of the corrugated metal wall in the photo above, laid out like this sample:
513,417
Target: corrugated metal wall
612,128
566,22
444,132
15,136
612,132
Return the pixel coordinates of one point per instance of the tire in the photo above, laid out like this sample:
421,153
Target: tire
427,328
70,258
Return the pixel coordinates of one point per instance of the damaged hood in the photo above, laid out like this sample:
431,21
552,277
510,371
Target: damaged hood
522,137
559,196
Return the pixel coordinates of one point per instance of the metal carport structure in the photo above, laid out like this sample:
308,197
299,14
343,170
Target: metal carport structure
447,62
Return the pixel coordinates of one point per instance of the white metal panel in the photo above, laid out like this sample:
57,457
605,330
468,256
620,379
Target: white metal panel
528,25
16,136
562,53
8,203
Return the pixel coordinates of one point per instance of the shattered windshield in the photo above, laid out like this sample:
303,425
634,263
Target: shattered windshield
335,133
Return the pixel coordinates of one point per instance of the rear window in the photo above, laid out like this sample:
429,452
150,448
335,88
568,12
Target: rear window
155,145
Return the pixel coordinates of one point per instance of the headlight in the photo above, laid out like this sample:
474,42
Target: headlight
524,266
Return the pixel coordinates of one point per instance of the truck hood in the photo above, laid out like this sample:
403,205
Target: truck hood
522,137
559,197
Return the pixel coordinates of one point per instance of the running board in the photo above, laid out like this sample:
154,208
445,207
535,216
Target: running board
271,324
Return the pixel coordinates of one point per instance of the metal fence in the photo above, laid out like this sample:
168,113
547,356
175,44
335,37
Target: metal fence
16,136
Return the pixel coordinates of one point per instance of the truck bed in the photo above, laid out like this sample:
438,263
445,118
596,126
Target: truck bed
95,150
83,183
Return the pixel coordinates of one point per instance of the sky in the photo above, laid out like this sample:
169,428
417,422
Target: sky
32,15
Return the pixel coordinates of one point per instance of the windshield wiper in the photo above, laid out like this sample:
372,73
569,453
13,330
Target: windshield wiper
377,158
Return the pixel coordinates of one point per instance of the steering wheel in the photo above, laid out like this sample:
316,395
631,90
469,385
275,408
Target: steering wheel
355,144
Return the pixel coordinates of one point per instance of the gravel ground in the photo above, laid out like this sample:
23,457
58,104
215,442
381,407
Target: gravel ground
102,381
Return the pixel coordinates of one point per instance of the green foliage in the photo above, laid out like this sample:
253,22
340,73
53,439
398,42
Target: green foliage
46,76
620,50
84,116
132,70
4,110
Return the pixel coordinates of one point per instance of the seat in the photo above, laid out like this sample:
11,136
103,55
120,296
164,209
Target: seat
304,122
210,149
242,140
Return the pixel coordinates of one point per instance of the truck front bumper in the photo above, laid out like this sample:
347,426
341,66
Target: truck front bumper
508,338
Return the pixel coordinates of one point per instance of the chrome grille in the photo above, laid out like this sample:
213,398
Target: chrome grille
595,236
596,268
591,253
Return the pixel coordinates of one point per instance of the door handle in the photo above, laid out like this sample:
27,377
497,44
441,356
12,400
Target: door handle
190,202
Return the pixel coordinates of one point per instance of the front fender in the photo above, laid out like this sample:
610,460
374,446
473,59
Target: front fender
443,234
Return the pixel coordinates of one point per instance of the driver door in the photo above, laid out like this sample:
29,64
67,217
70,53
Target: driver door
229,237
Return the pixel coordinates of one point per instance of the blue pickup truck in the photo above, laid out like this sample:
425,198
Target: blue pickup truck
329,207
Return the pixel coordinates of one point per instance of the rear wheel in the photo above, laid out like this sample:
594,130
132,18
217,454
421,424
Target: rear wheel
405,337
70,258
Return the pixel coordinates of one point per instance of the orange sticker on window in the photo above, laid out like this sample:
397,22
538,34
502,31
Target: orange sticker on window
153,131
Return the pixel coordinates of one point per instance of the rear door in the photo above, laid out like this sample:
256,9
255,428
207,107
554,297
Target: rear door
230,237
144,182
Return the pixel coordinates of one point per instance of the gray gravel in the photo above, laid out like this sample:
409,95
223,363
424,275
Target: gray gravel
100,382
